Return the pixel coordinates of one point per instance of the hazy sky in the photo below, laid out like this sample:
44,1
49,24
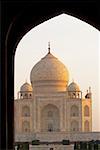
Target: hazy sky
75,43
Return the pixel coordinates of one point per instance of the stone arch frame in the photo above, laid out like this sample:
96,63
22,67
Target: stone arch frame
74,126
86,111
25,111
50,123
13,30
86,126
74,111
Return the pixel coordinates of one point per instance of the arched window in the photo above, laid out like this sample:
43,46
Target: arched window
74,126
30,95
25,111
86,126
74,111
25,127
25,95
86,110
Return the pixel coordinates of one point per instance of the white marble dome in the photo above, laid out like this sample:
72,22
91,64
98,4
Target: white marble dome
73,87
26,87
49,70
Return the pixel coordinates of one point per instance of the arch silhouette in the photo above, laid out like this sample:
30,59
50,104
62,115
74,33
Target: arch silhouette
24,17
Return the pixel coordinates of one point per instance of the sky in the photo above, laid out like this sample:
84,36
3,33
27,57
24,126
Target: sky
73,42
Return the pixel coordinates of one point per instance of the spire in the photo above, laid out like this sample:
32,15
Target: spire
48,47
89,89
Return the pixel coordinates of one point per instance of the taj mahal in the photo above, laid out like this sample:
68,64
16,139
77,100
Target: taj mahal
51,109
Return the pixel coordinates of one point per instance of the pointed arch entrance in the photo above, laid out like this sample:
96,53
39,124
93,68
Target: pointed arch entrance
50,118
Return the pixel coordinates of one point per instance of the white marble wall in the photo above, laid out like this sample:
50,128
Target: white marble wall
55,136
55,147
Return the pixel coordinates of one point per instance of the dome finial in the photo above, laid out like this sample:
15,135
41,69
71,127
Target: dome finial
89,89
48,47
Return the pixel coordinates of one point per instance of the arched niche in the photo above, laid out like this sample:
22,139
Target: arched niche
50,118
74,126
74,111
25,126
25,111
86,126
86,111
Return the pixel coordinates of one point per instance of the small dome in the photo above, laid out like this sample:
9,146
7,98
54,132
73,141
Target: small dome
73,87
49,68
26,87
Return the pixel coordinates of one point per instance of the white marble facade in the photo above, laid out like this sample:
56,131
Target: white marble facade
51,105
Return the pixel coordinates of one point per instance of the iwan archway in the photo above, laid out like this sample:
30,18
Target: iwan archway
16,25
50,118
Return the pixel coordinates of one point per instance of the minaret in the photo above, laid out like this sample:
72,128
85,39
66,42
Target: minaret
89,94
